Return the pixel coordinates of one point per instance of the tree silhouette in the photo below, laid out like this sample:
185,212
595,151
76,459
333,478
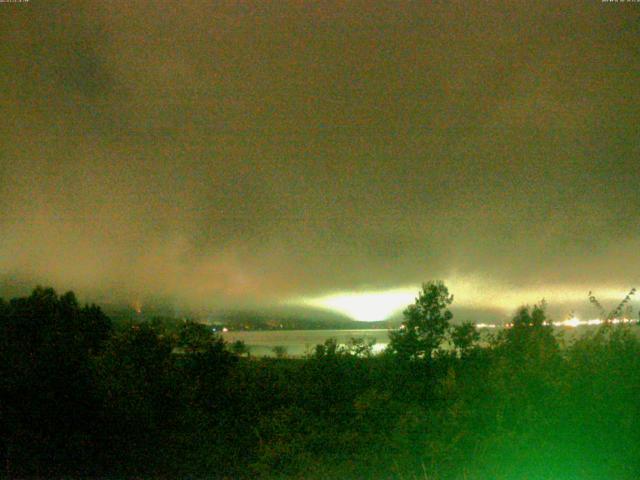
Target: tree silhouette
464,337
279,351
47,398
426,323
240,348
195,337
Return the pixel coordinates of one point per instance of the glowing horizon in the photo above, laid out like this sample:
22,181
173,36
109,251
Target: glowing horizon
379,305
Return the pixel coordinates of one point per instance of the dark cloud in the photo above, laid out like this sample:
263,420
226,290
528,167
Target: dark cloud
232,154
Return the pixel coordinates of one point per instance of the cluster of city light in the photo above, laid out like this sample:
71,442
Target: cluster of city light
576,322
572,322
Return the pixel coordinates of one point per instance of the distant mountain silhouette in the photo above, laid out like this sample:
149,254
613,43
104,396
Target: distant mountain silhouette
294,318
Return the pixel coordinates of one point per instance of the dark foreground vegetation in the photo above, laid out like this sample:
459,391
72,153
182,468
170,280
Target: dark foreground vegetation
81,397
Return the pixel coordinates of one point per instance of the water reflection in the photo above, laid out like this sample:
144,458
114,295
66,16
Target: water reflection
301,342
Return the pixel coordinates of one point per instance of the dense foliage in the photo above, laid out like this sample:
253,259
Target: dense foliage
81,397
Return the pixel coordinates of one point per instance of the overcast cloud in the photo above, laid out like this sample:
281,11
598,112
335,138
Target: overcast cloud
225,154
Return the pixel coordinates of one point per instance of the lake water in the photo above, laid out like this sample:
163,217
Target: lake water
300,342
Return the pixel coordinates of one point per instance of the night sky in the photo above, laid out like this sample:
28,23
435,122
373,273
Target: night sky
244,155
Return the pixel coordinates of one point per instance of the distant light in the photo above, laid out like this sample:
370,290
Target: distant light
366,306
575,322
225,329
572,322
470,292
137,306
486,325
